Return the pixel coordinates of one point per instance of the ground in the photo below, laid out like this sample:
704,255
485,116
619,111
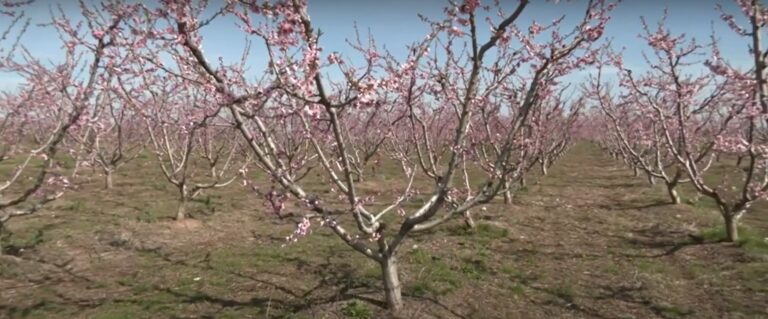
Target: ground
587,241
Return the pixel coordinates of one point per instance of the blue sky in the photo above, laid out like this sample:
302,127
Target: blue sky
395,24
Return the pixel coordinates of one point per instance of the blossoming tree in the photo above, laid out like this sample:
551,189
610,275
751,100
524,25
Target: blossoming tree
49,103
698,116
450,86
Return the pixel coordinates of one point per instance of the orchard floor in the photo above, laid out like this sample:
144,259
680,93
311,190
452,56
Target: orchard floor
587,241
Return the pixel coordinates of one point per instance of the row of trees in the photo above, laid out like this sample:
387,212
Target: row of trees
462,103
465,111
685,120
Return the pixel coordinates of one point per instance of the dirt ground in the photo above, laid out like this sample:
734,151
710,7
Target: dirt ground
587,241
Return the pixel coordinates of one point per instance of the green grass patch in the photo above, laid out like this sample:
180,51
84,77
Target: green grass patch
749,240
356,310
564,291
436,277
651,266
612,269
518,275
13,244
474,268
482,234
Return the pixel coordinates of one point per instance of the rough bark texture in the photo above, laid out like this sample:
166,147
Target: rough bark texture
731,227
181,214
108,180
673,196
468,221
392,291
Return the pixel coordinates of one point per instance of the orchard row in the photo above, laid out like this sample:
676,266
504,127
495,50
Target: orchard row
468,111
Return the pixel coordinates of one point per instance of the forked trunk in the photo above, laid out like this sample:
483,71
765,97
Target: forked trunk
392,291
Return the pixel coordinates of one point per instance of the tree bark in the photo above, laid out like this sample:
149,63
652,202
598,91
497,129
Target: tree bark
76,168
108,179
651,179
507,192
2,228
673,196
544,167
468,221
731,227
181,214
392,291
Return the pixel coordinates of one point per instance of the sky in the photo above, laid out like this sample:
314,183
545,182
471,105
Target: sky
395,24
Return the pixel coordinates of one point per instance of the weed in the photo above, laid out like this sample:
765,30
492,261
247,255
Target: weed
437,277
651,267
517,289
564,292
356,310
474,268
748,239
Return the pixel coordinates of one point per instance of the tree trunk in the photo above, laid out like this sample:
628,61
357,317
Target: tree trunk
544,167
731,227
108,179
468,221
181,214
738,161
637,171
76,168
522,181
507,192
673,193
392,291
651,179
